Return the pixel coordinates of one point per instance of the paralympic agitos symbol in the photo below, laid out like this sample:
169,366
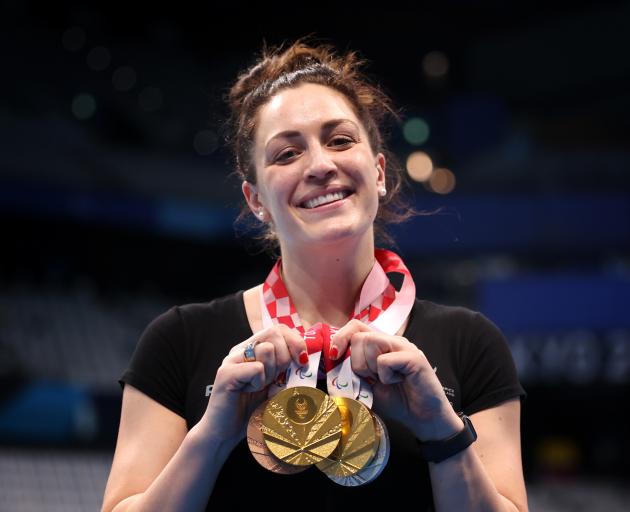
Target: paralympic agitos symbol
339,385
300,372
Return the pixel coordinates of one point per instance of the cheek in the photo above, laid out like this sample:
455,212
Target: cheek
362,167
275,188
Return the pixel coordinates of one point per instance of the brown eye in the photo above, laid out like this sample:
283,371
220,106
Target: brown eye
286,155
341,141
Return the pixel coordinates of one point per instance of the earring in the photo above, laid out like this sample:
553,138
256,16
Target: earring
261,214
382,192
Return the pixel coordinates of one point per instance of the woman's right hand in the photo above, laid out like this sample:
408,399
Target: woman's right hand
240,386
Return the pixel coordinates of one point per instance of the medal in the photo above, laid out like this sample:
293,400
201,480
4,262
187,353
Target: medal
301,425
358,443
375,467
259,449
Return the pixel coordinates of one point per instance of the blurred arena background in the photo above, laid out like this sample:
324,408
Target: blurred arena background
116,203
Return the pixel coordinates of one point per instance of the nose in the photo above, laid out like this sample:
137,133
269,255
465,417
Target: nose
320,166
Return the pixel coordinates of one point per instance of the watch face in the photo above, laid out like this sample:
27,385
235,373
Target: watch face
470,425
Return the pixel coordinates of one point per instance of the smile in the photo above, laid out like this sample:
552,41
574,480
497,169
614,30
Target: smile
326,199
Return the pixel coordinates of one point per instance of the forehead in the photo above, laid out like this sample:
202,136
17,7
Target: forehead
300,108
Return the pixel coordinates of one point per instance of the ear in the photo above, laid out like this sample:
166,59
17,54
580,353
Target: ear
381,163
250,192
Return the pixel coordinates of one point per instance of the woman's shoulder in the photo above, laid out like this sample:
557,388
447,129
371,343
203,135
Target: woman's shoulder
452,321
226,304
224,311
434,311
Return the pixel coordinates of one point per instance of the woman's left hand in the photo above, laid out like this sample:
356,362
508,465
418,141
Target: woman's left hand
404,384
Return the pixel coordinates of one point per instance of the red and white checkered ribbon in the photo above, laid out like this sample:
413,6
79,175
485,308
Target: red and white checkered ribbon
379,306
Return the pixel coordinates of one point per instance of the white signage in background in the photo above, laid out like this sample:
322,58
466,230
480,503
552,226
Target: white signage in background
575,357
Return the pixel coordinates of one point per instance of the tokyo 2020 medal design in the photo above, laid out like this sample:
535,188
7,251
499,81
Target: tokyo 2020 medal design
301,425
358,443
375,467
259,449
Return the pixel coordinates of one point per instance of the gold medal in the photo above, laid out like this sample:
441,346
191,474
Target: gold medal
259,449
358,443
375,467
301,425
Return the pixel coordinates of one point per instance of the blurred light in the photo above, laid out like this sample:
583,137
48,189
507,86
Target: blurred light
442,181
416,131
83,106
419,166
98,58
124,78
558,453
73,39
435,64
205,142
150,99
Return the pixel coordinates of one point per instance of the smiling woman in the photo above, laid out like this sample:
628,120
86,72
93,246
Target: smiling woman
316,182
398,377
370,110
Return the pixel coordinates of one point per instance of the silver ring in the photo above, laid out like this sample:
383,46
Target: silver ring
248,353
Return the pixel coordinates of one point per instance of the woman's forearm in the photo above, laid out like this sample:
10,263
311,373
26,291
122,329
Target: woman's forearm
461,483
186,482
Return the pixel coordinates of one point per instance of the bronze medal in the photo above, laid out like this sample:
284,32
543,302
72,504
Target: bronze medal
259,449
301,425
358,443
375,467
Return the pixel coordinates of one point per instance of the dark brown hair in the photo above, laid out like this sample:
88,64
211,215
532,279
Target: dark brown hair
280,68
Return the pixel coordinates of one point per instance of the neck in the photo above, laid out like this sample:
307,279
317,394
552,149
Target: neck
324,281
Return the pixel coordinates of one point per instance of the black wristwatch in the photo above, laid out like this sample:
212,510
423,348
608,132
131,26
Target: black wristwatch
437,451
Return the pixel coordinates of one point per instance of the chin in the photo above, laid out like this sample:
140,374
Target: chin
338,233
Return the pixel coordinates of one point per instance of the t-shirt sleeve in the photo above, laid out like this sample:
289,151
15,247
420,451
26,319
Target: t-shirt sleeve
489,374
157,364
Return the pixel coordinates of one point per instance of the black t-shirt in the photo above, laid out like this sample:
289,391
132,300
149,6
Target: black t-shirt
180,351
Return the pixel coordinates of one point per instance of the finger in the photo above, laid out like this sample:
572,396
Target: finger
295,344
394,367
367,347
341,340
248,377
266,354
270,335
281,351
375,343
357,357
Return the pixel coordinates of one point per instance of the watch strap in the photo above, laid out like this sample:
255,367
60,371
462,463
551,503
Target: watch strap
437,451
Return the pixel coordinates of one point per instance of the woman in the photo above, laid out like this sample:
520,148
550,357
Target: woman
310,153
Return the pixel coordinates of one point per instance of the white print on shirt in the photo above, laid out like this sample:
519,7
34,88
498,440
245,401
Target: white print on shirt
209,389
449,392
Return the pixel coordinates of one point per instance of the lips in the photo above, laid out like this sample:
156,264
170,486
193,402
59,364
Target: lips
325,197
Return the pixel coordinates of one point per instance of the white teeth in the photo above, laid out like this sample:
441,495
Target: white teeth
325,199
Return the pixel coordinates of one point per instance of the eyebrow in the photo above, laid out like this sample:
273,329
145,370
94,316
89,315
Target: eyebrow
327,126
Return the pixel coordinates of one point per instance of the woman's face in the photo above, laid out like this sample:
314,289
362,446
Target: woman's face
317,177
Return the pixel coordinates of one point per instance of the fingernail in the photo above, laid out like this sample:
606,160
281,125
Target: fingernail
334,352
303,357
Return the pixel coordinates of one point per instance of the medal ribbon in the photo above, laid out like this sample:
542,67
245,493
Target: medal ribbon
379,306
296,375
